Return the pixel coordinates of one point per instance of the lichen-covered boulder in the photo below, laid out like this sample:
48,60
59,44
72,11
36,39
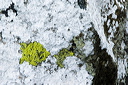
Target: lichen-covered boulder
33,53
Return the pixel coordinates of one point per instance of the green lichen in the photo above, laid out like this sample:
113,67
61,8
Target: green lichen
77,44
79,41
61,56
33,53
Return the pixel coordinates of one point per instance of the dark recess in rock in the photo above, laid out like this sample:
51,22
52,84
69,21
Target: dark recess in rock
0,35
105,68
73,46
5,13
11,7
126,80
82,4
1,38
25,1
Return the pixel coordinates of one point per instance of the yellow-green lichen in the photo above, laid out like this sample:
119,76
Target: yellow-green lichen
61,56
33,53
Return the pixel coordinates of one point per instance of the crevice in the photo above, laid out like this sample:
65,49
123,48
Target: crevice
104,67
82,4
11,7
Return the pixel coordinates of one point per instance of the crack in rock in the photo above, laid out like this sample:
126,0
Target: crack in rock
11,7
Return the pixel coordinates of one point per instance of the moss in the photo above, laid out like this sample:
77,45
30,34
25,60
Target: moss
61,56
33,53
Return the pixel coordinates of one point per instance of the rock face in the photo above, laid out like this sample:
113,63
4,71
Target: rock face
93,31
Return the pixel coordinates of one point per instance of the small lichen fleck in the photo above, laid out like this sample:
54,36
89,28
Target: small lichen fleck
61,56
33,53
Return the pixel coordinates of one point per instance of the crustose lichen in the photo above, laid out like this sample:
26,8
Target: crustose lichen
61,56
33,53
